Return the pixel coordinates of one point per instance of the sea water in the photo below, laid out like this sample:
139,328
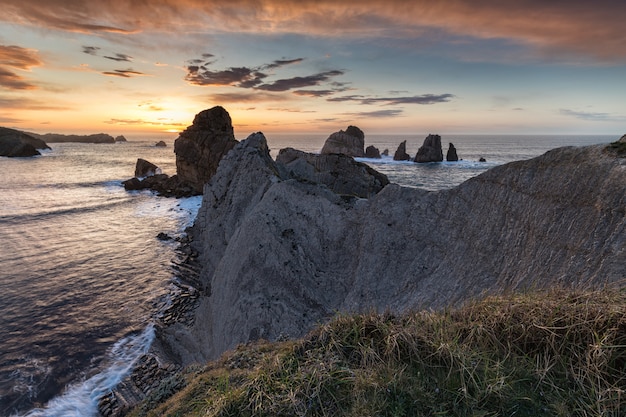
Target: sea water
82,271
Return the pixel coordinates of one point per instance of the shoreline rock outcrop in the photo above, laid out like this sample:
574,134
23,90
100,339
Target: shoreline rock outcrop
15,143
200,148
400,154
280,252
350,142
451,155
372,152
430,151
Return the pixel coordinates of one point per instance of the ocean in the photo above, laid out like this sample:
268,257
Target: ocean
82,272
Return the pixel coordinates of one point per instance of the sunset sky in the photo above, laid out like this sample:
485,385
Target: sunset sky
394,66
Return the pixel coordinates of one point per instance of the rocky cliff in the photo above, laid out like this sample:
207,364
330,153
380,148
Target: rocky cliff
281,253
14,143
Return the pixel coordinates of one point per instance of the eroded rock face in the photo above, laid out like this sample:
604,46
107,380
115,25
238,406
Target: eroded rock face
145,168
341,174
451,155
431,150
401,154
200,148
372,152
350,143
14,143
280,254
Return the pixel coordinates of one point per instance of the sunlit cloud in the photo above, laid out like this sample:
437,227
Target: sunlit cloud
12,58
246,97
593,29
23,103
143,122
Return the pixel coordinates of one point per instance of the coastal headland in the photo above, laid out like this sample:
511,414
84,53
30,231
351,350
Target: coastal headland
280,246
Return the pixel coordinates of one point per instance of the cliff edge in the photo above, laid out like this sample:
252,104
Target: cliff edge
281,253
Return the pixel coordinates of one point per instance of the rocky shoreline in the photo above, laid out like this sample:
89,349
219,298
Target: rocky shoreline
157,372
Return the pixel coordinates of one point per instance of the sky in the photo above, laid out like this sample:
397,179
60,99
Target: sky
300,66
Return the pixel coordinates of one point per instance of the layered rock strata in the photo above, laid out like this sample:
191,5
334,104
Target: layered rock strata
282,252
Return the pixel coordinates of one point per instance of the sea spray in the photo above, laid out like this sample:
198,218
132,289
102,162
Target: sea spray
81,399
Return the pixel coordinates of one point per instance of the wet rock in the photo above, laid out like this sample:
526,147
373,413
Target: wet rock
372,152
400,154
430,151
451,155
161,144
14,143
145,168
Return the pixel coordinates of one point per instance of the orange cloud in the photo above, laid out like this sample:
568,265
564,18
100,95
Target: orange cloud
591,28
15,57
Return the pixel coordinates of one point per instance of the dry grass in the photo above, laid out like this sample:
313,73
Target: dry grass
558,353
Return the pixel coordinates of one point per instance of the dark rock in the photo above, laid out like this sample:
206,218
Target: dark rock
120,138
482,159
164,236
95,138
163,184
349,142
200,148
372,152
385,152
431,150
451,155
14,143
401,154
161,144
145,168
340,173
133,184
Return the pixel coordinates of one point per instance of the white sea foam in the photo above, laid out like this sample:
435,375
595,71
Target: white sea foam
81,399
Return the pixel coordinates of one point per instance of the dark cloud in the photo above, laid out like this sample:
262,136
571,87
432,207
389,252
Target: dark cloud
423,99
124,73
247,96
379,114
592,116
314,93
253,77
120,58
282,63
300,82
234,76
91,50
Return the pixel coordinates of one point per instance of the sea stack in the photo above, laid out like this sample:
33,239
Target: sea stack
431,150
452,156
201,146
401,154
350,142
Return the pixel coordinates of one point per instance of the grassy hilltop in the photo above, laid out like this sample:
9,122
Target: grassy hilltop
555,353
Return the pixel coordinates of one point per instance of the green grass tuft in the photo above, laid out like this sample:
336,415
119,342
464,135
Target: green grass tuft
558,353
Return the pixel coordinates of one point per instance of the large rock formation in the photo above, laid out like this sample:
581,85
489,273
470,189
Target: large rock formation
14,143
350,143
431,150
401,154
201,146
372,152
340,173
451,155
280,253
